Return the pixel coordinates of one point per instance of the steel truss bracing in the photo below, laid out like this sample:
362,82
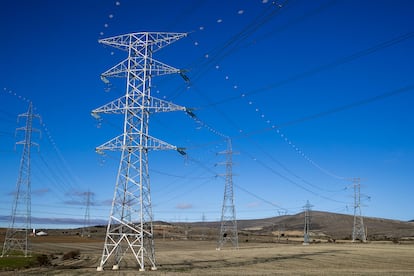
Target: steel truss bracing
130,226
358,231
20,220
306,228
228,226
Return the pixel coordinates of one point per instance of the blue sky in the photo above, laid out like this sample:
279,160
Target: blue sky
312,93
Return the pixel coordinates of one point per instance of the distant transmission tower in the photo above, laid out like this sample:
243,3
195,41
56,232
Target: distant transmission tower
20,219
87,219
281,226
306,228
203,226
130,223
228,226
358,232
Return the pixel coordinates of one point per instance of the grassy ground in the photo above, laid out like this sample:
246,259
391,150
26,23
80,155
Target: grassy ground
17,262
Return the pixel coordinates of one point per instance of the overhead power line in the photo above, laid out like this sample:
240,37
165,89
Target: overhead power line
398,91
319,69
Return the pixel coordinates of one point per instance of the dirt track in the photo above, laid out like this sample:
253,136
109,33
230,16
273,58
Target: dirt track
201,258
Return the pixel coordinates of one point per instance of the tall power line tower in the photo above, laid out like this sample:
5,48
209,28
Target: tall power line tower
87,219
20,220
130,222
228,226
358,231
306,228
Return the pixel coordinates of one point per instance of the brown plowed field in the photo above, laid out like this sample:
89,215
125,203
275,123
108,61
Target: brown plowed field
201,258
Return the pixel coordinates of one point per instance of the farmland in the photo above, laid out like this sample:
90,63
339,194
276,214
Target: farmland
264,249
191,257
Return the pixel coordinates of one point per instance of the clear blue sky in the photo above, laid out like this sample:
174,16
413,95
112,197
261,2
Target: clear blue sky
311,92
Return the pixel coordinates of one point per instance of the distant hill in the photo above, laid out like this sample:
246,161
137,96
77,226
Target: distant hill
324,226
333,225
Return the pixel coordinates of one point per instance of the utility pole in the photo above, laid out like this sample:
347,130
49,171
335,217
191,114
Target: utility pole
228,226
130,228
358,232
20,219
306,229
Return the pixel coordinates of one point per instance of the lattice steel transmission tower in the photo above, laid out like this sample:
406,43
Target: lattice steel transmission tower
306,228
130,222
87,219
358,231
20,220
228,226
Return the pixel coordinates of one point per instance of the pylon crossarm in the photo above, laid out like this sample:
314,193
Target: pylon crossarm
119,70
29,114
158,105
117,144
159,40
114,144
120,42
117,106
137,65
142,39
157,144
158,68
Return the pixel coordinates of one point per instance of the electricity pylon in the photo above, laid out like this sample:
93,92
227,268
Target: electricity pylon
130,222
228,226
20,219
306,228
358,231
87,219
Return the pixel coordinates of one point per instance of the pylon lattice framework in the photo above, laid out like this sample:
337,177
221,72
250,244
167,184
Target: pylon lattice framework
20,220
130,222
228,226
358,231
87,219
306,228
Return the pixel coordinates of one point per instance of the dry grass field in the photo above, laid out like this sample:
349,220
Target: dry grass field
190,249
190,257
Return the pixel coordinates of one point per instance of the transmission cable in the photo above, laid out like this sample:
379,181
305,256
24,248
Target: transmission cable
319,69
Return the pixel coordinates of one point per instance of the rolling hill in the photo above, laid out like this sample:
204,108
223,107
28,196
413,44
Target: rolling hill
331,225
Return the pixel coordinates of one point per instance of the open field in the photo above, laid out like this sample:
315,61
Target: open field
181,257
190,249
